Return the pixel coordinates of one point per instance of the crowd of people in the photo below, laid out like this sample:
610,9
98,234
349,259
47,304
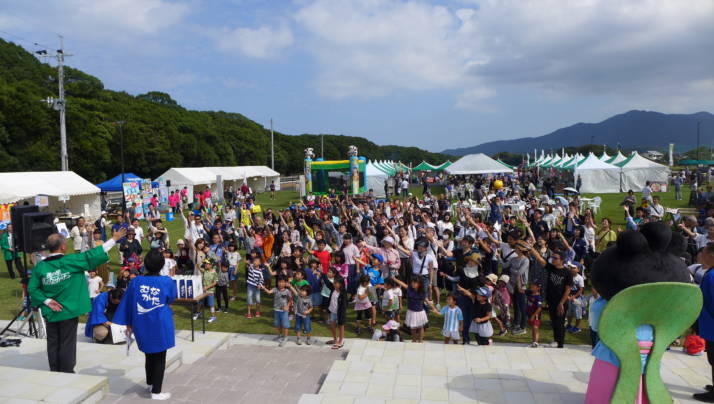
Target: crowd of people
490,262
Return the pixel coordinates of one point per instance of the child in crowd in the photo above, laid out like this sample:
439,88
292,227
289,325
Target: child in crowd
481,324
254,279
364,307
222,286
210,278
341,268
233,257
322,255
337,308
453,319
326,282
502,300
313,275
94,283
416,315
281,305
534,305
575,300
303,308
389,299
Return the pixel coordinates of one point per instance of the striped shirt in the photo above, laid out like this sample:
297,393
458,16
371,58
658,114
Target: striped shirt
451,318
255,276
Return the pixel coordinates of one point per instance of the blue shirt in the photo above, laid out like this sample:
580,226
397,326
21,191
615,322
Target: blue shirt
97,316
452,317
706,317
145,307
601,351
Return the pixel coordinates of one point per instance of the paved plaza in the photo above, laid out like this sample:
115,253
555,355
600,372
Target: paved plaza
245,368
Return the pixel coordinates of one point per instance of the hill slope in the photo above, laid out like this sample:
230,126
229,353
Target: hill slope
633,130
158,133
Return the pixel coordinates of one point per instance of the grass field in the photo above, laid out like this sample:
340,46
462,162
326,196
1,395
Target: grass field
235,321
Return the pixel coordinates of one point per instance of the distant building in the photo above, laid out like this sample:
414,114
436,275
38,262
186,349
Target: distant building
653,155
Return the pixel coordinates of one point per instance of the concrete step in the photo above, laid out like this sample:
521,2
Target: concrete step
30,386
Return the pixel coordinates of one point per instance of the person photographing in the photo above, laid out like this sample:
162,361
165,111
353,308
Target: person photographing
145,311
59,287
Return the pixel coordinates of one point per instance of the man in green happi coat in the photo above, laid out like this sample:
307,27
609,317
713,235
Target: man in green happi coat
59,287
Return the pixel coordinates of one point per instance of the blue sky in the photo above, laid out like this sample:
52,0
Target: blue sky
433,74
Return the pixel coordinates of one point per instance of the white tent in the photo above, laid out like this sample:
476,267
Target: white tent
605,156
478,163
637,170
597,176
375,178
257,177
64,189
618,158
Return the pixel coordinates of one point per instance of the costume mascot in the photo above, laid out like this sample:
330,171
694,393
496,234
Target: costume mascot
649,256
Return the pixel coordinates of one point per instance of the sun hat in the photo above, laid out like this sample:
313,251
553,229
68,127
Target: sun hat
388,239
473,257
492,277
504,278
391,325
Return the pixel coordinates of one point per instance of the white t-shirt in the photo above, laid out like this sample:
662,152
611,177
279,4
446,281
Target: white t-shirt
418,268
386,297
397,293
405,184
93,284
139,232
168,264
361,290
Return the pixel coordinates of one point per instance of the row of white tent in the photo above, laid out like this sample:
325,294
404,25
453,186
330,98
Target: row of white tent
66,190
627,173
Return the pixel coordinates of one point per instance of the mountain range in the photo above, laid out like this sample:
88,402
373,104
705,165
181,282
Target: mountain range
641,130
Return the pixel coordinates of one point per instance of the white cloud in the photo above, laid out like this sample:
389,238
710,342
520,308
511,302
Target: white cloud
124,22
262,42
642,52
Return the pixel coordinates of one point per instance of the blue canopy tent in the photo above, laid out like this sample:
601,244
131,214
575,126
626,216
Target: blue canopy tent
114,184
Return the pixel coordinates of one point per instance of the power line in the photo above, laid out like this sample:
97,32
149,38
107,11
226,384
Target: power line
34,43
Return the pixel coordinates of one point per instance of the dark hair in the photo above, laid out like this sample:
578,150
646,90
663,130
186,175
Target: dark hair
116,294
154,261
306,288
282,278
363,279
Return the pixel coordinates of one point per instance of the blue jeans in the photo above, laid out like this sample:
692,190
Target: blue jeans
303,324
519,310
282,320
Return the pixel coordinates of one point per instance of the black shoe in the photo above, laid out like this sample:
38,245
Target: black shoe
707,397
709,387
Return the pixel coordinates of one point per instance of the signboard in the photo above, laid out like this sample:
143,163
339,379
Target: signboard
133,198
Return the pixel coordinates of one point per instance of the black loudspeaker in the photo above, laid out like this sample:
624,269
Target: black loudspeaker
16,213
168,183
36,228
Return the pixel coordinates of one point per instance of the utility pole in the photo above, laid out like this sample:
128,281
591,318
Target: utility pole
272,146
120,124
59,103
699,124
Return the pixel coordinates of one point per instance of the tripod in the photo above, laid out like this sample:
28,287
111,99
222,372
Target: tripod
28,316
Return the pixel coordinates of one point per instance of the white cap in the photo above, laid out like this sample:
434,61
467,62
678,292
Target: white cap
388,239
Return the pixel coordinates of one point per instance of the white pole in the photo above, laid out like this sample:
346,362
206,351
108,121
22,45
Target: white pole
61,104
272,146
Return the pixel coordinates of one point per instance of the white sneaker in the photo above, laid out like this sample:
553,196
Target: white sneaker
160,396
554,344
212,319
